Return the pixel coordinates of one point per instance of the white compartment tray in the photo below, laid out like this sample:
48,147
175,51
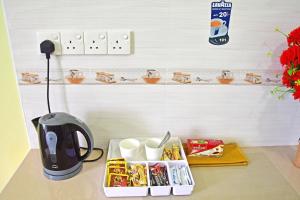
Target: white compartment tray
114,152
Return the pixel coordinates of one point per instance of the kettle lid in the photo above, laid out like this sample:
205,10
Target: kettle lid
57,118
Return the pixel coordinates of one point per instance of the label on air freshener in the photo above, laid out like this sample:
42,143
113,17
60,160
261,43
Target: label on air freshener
219,25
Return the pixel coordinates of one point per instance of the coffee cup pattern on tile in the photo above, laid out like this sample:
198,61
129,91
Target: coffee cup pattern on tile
153,76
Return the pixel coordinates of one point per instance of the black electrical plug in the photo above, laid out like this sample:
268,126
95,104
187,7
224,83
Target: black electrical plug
47,47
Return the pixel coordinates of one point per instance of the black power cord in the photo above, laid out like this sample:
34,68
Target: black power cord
97,149
48,101
47,47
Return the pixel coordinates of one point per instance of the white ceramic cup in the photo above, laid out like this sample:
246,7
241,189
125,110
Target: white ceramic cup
129,148
152,150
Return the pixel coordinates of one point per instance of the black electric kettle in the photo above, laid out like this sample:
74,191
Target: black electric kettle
60,150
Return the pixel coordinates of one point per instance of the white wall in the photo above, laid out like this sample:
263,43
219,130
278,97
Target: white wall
168,34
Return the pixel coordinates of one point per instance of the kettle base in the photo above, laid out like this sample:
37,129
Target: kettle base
63,174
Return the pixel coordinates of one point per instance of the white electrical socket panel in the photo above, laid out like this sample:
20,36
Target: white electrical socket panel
72,42
119,42
53,36
95,42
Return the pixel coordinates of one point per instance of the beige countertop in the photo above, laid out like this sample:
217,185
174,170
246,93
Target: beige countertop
269,175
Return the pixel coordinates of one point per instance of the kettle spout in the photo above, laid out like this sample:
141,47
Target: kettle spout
35,122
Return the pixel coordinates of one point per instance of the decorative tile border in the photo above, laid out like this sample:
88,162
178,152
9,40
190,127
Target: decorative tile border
160,76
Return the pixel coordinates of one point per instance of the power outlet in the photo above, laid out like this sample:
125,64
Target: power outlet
119,42
72,42
53,37
95,42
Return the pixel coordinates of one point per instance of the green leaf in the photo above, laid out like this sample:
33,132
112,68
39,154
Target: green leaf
290,72
281,92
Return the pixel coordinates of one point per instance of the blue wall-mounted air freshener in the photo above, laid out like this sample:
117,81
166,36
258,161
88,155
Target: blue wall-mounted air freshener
219,24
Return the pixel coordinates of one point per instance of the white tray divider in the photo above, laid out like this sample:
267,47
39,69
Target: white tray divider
182,189
160,190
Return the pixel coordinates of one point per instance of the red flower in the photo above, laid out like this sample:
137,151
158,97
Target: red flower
284,58
294,37
290,61
297,92
295,76
286,79
290,56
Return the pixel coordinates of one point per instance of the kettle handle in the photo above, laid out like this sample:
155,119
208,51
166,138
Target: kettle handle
86,132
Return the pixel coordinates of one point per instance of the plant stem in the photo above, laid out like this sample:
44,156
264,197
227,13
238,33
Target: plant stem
278,30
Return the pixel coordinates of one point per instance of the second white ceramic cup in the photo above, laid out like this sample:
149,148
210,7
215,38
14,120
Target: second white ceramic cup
152,150
129,148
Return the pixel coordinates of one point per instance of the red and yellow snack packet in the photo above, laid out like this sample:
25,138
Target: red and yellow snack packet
117,170
117,180
116,159
117,164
